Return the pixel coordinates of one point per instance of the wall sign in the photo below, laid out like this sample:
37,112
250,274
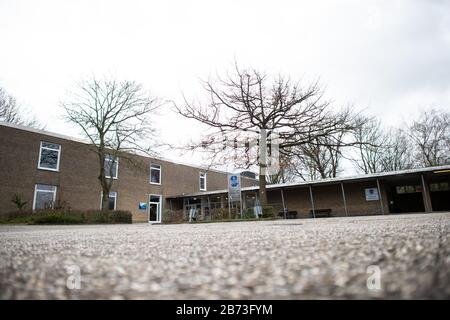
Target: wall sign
372,194
142,206
234,187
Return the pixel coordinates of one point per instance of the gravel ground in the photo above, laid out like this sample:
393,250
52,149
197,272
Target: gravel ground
283,259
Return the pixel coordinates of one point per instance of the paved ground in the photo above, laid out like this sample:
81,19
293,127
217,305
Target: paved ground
323,258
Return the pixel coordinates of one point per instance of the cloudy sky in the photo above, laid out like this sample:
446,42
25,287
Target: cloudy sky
390,57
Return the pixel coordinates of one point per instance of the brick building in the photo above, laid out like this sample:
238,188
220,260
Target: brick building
50,168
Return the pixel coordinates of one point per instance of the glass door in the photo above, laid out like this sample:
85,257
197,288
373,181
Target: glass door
154,208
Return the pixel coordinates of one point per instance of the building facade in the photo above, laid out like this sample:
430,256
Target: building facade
47,169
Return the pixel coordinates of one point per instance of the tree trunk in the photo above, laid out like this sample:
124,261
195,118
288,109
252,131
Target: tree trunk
262,187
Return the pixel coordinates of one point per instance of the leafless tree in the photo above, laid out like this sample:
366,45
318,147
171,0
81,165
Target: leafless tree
380,150
11,112
431,137
247,104
115,116
321,158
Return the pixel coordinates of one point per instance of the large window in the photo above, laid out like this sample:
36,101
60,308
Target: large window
155,174
44,196
408,189
203,181
111,167
442,186
49,155
112,201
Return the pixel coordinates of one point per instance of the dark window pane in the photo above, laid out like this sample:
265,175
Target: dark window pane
44,200
49,159
50,145
110,167
154,198
155,176
112,203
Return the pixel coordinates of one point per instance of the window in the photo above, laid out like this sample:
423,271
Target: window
44,196
408,189
202,181
49,154
111,167
442,186
112,203
155,174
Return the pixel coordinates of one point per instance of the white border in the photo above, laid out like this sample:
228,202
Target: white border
36,190
40,153
200,180
159,214
160,174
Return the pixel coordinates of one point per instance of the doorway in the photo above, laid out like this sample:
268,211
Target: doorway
154,208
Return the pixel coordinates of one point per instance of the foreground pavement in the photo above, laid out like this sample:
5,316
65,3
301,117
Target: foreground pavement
282,259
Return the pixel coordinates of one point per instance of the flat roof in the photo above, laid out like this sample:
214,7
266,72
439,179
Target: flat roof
69,138
362,177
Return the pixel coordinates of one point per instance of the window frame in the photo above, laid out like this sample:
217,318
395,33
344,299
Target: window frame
40,154
117,167
115,199
47,191
202,175
160,174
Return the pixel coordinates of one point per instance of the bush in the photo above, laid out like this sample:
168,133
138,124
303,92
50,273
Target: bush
173,216
67,217
268,212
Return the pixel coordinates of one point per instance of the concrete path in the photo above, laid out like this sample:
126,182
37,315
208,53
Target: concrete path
283,259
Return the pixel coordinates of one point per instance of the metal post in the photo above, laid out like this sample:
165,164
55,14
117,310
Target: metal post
381,197
209,208
241,204
345,201
425,195
284,206
312,202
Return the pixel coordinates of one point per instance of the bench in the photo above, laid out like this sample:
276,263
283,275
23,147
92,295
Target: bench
289,214
321,213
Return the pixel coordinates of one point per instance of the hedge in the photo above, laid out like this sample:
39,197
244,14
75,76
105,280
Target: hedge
67,217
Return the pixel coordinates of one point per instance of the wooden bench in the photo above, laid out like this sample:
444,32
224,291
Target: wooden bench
320,213
289,214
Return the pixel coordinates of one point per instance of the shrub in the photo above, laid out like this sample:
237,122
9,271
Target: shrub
67,217
268,212
18,201
173,216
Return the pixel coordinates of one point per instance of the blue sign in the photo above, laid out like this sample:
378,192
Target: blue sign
142,205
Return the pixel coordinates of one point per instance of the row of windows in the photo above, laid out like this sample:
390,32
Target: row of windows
434,187
50,154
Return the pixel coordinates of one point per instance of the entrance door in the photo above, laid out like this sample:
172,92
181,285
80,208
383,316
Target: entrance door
154,208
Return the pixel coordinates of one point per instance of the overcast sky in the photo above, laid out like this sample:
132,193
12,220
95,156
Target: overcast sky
391,57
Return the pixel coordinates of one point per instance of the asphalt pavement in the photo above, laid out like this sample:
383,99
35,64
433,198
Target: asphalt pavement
392,256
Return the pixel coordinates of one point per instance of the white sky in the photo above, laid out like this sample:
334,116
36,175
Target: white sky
391,57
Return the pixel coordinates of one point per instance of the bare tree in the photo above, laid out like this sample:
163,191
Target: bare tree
431,137
248,104
380,150
11,112
114,116
320,158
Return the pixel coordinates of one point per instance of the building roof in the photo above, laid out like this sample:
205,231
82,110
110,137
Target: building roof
362,177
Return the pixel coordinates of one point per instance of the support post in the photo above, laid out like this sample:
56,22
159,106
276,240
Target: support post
380,196
426,195
284,205
345,200
312,202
